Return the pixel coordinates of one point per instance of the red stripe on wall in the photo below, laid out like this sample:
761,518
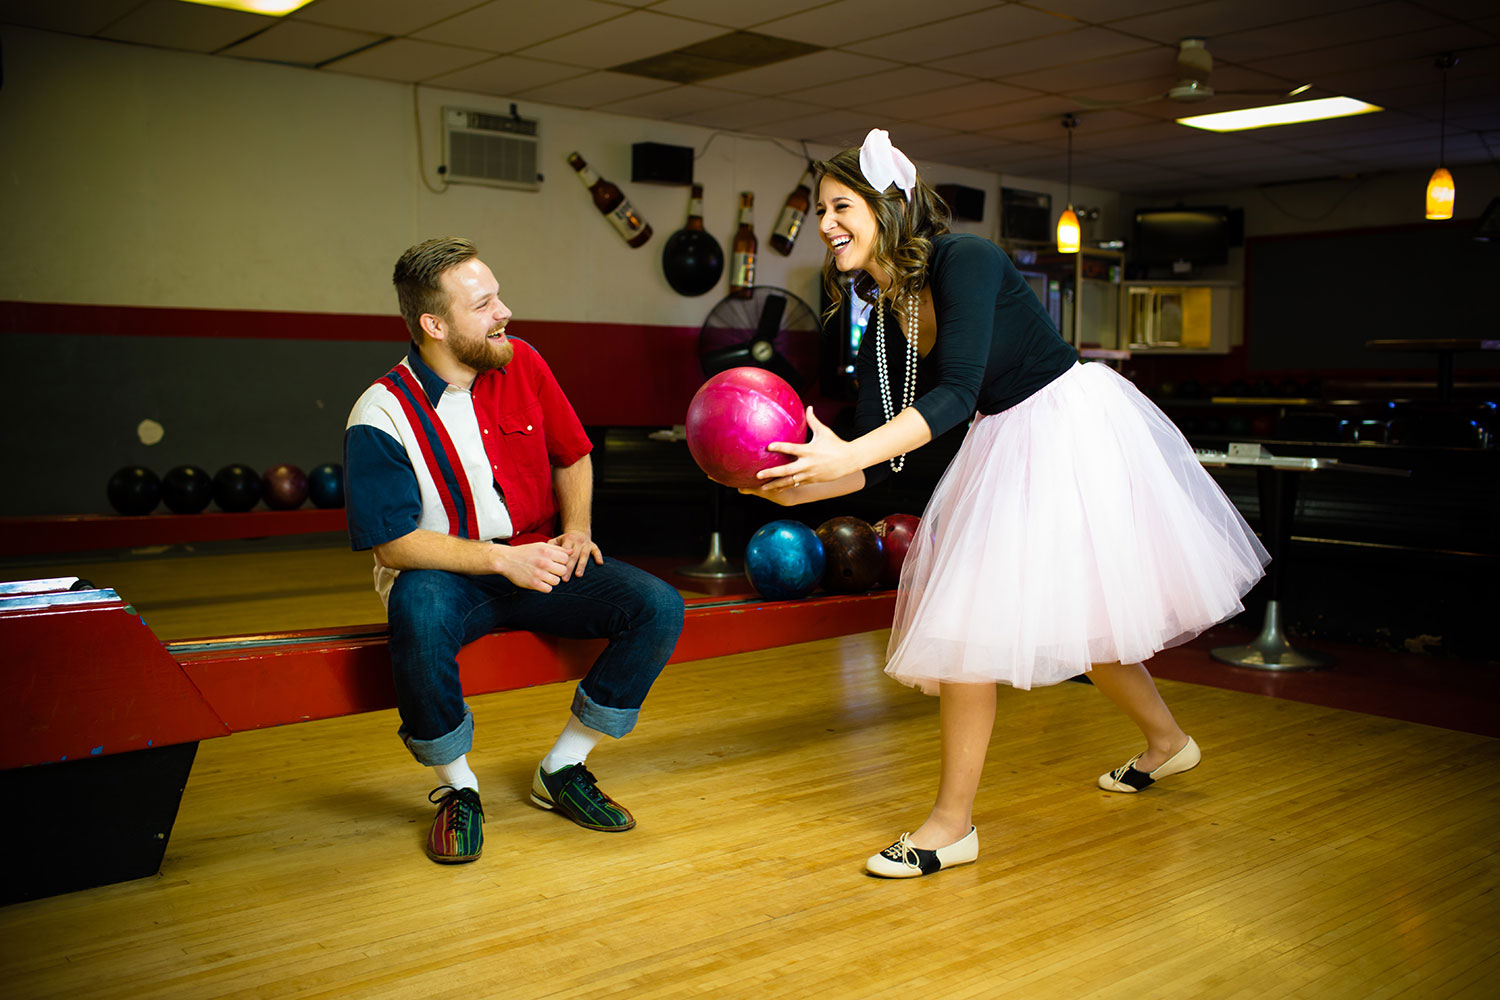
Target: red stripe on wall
622,374
154,321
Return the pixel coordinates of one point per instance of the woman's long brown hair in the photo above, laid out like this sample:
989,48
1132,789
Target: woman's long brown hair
904,233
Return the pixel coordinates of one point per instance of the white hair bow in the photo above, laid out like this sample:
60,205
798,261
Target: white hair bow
884,164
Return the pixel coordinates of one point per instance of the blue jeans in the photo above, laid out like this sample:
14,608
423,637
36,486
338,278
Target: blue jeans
434,613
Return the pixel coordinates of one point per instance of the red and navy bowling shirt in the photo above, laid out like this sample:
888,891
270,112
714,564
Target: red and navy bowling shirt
470,461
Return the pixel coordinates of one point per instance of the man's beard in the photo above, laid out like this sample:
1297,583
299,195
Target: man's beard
484,354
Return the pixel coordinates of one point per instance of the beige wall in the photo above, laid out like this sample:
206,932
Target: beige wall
139,176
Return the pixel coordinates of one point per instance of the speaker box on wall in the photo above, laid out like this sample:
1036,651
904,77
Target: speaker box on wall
659,163
1025,215
966,203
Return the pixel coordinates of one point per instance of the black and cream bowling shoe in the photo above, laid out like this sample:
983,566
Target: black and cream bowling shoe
903,860
1127,779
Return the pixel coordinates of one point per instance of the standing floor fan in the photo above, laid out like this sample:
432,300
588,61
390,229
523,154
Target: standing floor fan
771,329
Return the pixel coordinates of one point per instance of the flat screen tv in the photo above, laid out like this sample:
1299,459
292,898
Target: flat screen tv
1185,237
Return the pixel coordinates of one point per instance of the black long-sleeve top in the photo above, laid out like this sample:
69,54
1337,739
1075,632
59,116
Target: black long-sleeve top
995,343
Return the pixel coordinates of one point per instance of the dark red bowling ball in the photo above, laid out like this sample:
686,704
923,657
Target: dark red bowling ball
896,534
236,488
133,490
852,555
285,487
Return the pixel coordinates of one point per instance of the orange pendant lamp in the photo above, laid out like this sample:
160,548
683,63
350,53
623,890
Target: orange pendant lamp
1440,189
1068,232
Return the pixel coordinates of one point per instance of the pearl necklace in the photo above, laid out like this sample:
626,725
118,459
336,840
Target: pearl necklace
909,389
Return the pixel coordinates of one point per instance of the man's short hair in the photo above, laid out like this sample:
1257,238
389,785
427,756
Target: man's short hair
418,278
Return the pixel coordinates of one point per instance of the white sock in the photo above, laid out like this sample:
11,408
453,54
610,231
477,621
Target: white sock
572,747
457,774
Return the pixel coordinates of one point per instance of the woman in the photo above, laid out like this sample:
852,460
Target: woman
1074,532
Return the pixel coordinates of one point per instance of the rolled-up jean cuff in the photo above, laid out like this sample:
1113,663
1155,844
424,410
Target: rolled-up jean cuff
446,748
614,722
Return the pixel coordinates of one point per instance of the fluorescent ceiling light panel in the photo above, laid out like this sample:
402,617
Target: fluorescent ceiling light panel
1280,114
275,8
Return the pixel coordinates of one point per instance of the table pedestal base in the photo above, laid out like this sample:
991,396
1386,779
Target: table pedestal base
1270,650
714,566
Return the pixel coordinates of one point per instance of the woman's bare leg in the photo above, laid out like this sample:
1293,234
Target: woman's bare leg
1131,688
967,717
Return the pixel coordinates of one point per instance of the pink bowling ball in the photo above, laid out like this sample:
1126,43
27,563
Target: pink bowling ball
734,415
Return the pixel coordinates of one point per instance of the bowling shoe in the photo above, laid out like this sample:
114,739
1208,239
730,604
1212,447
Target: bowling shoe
457,833
575,793
1126,778
902,860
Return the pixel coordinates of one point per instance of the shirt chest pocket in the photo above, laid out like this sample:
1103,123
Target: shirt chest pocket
522,440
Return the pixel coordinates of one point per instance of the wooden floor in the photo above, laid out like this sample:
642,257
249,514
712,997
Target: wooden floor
1315,853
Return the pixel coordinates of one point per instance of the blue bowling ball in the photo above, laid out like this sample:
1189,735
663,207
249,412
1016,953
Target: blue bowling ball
784,560
325,485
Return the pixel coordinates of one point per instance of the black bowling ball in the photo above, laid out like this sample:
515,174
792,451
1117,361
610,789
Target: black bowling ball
692,261
236,488
133,490
187,489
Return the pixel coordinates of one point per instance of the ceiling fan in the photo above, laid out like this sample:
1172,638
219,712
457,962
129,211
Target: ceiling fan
1195,66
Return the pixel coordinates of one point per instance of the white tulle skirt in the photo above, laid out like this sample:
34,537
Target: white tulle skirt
1076,527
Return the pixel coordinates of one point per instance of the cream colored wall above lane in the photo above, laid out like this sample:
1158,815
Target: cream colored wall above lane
139,176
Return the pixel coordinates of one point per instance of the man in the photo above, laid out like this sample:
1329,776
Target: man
469,475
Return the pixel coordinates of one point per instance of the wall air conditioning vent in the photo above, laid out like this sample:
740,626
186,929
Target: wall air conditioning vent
485,148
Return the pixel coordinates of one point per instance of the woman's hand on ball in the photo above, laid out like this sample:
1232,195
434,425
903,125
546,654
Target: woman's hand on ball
827,457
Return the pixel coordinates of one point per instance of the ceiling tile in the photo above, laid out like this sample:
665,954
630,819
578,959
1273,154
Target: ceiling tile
1099,11
1400,52
964,97
1464,10
78,17
301,43
509,25
1348,133
385,17
1135,94
594,89
505,75
965,33
190,26
836,128
1375,21
1040,54
625,39
407,60
1163,138
1151,64
941,147
1091,128
747,113
1024,112
733,13
895,83
801,72
1219,18
674,101
847,21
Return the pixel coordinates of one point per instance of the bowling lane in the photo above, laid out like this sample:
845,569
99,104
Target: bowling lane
266,585
192,591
